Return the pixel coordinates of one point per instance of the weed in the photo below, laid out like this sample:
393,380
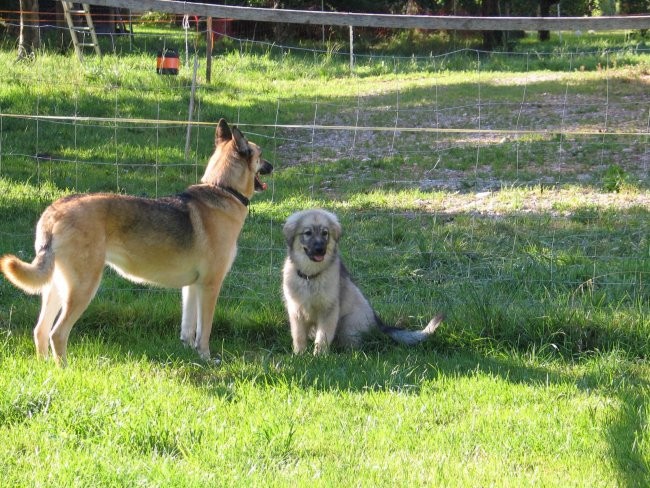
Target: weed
615,178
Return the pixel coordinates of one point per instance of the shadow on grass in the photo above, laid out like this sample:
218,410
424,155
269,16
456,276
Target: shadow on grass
497,307
403,371
528,102
491,316
380,366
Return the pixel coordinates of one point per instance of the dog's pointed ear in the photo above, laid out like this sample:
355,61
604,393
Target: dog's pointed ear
240,142
223,132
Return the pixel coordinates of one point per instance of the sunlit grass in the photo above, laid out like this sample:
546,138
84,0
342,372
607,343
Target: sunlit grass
539,374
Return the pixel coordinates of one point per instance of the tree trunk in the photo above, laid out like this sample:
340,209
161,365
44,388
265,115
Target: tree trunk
279,30
544,11
29,39
491,39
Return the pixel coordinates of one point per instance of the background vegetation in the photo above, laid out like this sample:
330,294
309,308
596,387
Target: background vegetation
534,244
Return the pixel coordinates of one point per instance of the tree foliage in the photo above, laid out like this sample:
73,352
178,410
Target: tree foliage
635,6
29,39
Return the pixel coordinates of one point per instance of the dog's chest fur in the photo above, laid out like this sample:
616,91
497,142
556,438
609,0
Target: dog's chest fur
312,294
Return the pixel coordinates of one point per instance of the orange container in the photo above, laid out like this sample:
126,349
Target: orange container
167,62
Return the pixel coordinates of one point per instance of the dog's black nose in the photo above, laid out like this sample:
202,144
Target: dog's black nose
319,248
266,167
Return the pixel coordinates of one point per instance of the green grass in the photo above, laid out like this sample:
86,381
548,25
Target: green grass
377,418
535,245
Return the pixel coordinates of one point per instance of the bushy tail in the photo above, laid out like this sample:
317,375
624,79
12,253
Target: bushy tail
29,277
412,337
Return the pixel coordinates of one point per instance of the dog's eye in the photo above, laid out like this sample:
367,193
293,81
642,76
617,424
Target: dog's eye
325,233
307,233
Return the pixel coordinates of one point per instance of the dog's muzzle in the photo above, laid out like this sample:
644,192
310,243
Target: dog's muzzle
265,169
316,252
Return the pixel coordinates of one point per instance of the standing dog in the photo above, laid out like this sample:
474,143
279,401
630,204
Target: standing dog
322,301
187,241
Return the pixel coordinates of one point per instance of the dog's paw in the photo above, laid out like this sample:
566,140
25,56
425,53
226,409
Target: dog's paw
213,360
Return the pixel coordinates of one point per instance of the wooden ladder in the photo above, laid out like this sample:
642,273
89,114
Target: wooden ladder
72,10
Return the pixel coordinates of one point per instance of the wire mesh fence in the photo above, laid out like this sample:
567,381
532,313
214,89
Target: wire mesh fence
512,173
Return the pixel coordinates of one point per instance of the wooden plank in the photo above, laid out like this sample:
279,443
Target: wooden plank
383,20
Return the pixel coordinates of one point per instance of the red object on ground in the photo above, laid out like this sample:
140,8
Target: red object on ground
167,62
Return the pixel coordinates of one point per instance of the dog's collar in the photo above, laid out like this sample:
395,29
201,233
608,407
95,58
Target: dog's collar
306,277
245,201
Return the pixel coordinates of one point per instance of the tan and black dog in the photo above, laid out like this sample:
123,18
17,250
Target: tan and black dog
323,302
186,241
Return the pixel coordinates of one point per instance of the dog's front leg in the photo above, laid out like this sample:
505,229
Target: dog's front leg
190,313
207,301
298,332
325,332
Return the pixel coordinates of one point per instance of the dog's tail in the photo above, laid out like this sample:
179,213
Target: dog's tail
29,277
412,337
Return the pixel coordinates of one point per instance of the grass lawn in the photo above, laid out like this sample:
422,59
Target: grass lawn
510,191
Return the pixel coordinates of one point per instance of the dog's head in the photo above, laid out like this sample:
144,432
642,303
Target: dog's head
312,237
236,162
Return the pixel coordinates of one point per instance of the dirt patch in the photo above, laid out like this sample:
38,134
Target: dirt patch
556,202
482,140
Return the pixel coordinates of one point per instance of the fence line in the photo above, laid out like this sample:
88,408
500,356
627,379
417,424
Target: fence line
360,130
346,19
312,127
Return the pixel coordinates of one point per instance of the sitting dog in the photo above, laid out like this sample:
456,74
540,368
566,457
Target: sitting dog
322,300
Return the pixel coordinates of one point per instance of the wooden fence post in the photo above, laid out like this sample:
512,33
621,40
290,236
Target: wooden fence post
190,110
208,64
351,48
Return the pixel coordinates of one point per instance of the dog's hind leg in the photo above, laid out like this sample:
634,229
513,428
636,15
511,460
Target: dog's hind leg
70,312
190,313
51,305
76,289
349,338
